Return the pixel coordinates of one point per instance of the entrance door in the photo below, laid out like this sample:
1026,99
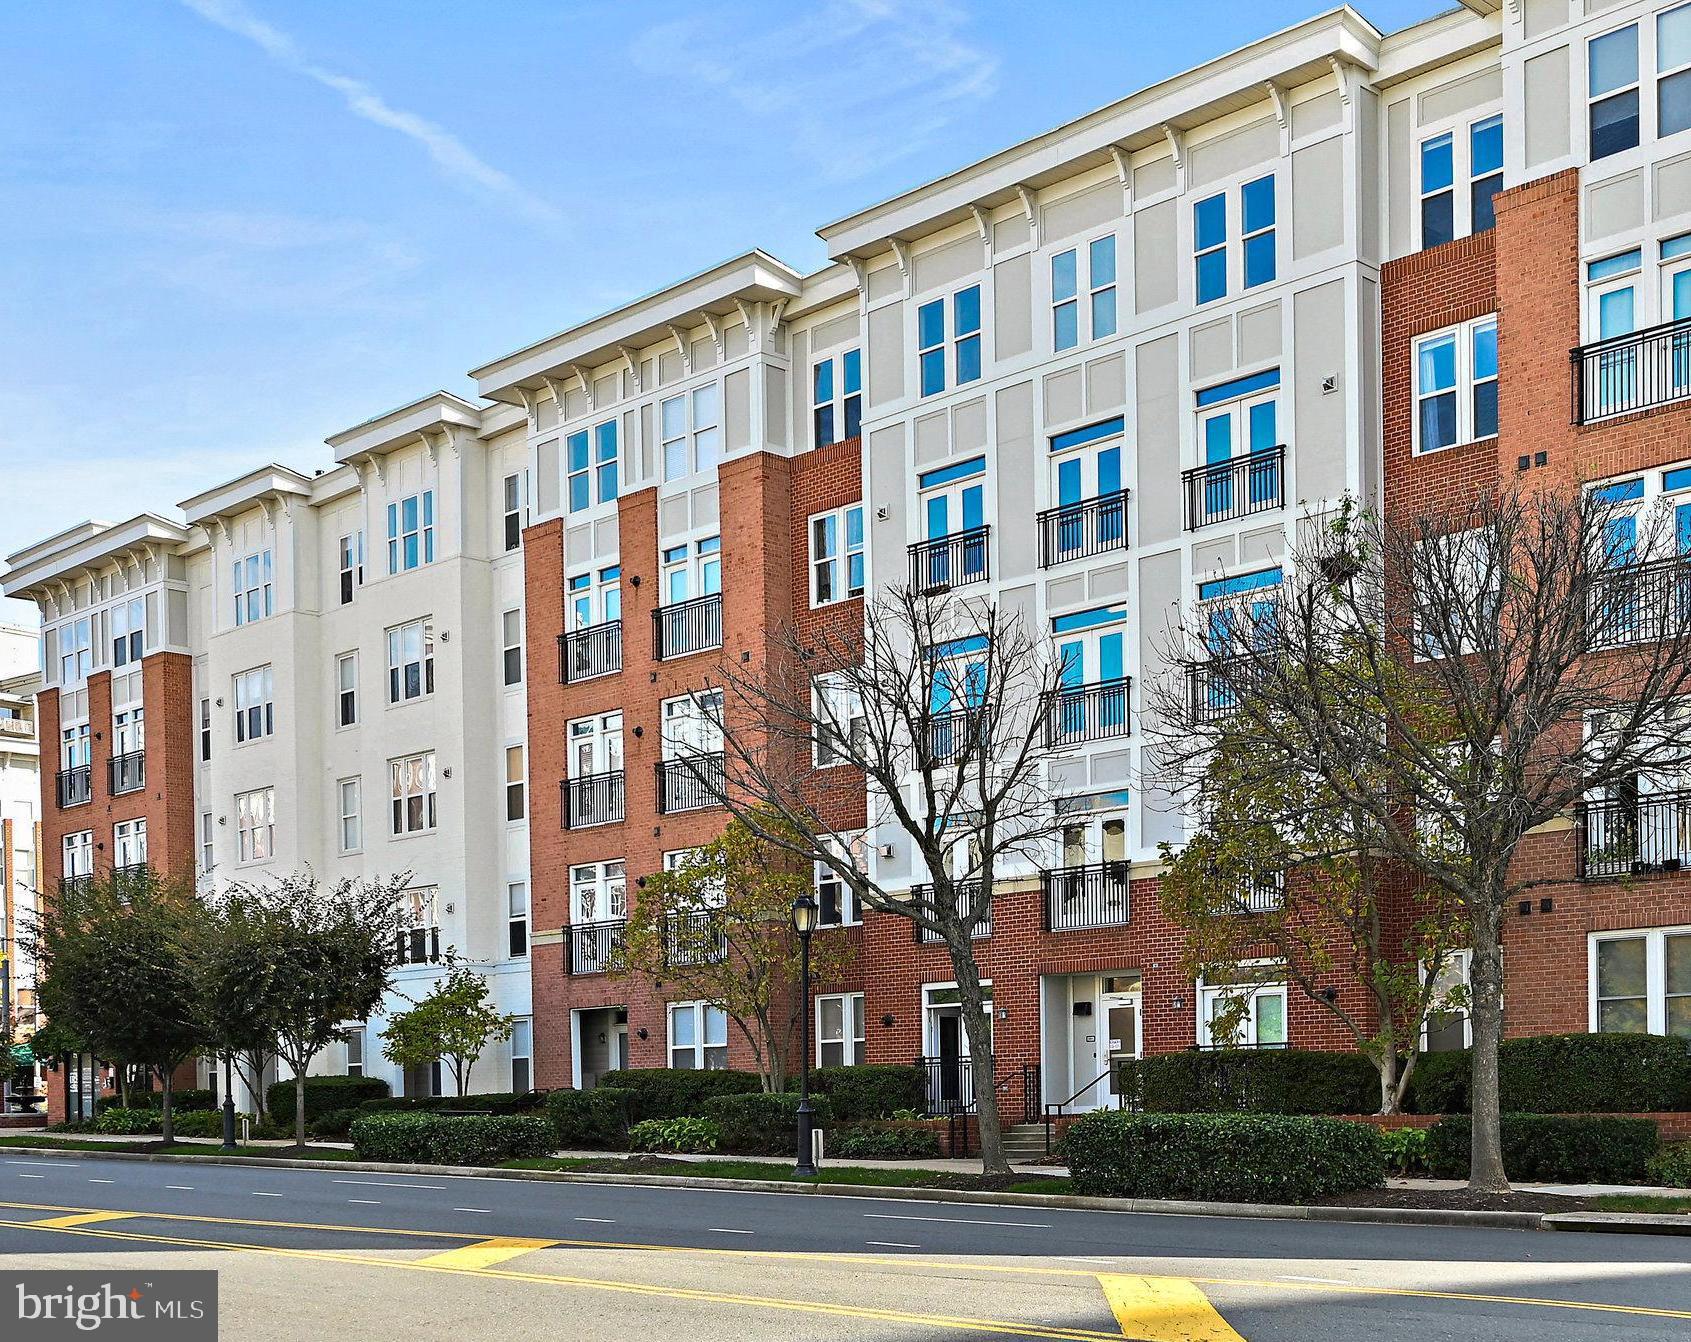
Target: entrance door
1614,314
1120,1039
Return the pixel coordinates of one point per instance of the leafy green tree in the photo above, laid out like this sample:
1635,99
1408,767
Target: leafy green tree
455,1022
236,968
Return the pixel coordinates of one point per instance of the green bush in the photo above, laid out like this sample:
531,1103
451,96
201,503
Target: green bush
1439,1083
1258,1080
484,1102
674,1134
760,1124
1221,1157
323,1095
127,1122
870,1090
1406,1149
877,1141
590,1120
200,1123
333,1125
191,1099
1566,1074
1671,1166
667,1092
1553,1148
450,1139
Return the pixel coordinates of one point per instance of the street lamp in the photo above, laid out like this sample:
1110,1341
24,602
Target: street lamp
228,1101
804,923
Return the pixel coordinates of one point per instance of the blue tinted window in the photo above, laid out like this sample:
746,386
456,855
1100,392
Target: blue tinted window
1103,313
933,372
605,439
1613,60
1485,146
1065,325
1438,364
1437,159
966,310
1625,492
851,363
1614,265
1103,262
1063,276
1259,259
1485,352
1209,222
968,359
1212,276
822,382
1257,205
576,446
930,323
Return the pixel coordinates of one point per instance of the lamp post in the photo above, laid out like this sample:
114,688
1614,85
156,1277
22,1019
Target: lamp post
804,923
228,1102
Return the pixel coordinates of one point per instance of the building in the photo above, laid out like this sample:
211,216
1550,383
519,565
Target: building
1097,377
20,803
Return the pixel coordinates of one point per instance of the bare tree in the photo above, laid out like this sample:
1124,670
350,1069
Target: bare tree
1456,678
940,702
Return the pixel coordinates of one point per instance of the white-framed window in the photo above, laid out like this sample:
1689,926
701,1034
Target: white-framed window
692,724
410,661
75,746
1456,385
515,512
836,901
948,341
839,1030
1612,92
76,652
255,825
1449,1027
595,744
205,730
129,625
836,398
1258,256
1461,170
594,597
1640,981
254,599
208,842
590,466
511,650
522,1055
255,713
1094,291
346,689
691,425
837,713
355,1051
836,555
698,1036
77,853
516,904
350,551
692,570
1209,248
129,731
598,891
129,844
419,910
411,532
349,796
1263,1024
411,787
516,783
1253,203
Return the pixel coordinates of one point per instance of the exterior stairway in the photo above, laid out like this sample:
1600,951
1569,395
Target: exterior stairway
1024,1143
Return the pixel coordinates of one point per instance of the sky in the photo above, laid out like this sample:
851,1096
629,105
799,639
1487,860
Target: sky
230,228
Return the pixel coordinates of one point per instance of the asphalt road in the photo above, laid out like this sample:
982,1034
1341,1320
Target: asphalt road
352,1255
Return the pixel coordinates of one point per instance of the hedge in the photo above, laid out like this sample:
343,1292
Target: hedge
118,1121
592,1120
1552,1147
485,1102
1439,1083
664,1092
1566,1074
882,1141
674,1134
1252,1080
190,1099
760,1124
450,1139
870,1091
1671,1166
1221,1157
323,1094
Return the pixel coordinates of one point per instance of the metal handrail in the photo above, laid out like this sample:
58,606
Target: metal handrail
1080,530
684,627
1220,491
1637,370
943,562
593,651
1053,1111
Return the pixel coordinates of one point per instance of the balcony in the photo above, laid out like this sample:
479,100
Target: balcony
687,627
418,946
1095,895
1632,372
1226,490
694,939
690,782
594,945
968,892
1213,687
593,651
127,773
76,785
593,799
1640,603
950,1085
1087,713
951,735
1264,894
1635,836
945,562
20,727
1080,530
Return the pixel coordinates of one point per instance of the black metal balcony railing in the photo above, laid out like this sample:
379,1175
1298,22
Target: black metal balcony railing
75,784
1214,686
687,626
1078,530
593,799
1640,603
968,893
594,945
1264,894
1087,713
950,1084
593,651
690,782
952,735
1095,895
1224,490
418,945
694,939
1635,836
950,561
127,773
1632,372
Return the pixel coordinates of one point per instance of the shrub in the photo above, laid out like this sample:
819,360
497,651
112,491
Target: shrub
1564,1149
191,1099
868,1091
1263,1081
323,1094
665,1092
1671,1166
127,1122
1221,1157
760,1124
1439,1083
450,1139
594,1120
200,1123
673,1134
334,1125
1406,1149
876,1141
1566,1074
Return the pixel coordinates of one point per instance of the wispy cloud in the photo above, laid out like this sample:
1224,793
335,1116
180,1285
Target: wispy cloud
452,156
858,85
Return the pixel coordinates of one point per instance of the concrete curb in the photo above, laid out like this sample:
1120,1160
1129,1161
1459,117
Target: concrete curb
1619,1223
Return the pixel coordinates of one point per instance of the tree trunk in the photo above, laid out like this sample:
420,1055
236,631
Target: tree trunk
977,1024
1486,1173
299,1107
167,1129
1388,1080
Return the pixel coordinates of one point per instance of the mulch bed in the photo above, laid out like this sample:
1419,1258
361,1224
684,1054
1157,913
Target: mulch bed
1460,1199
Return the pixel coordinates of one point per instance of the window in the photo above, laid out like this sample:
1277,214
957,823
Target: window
1438,190
1256,223
411,532
75,748
1456,385
516,784
255,715
1612,91
129,731
1447,212
595,745
511,656
516,901
522,1055
355,1051
253,587
1263,1024
419,911
598,892
692,433
255,825
129,622
1100,296
591,464
594,598
836,555
836,901
836,405
964,343
1673,71
839,1030
698,1036
1641,982
837,713
1485,171
691,725
349,793
205,730
346,689
1449,1028
410,661
412,791
76,652
1209,248
129,844
692,570
78,855
208,842
351,550
516,511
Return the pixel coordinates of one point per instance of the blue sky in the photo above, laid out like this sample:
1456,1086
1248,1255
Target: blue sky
232,227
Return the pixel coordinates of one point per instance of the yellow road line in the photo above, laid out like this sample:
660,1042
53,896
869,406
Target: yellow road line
486,1253
80,1219
1163,1309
